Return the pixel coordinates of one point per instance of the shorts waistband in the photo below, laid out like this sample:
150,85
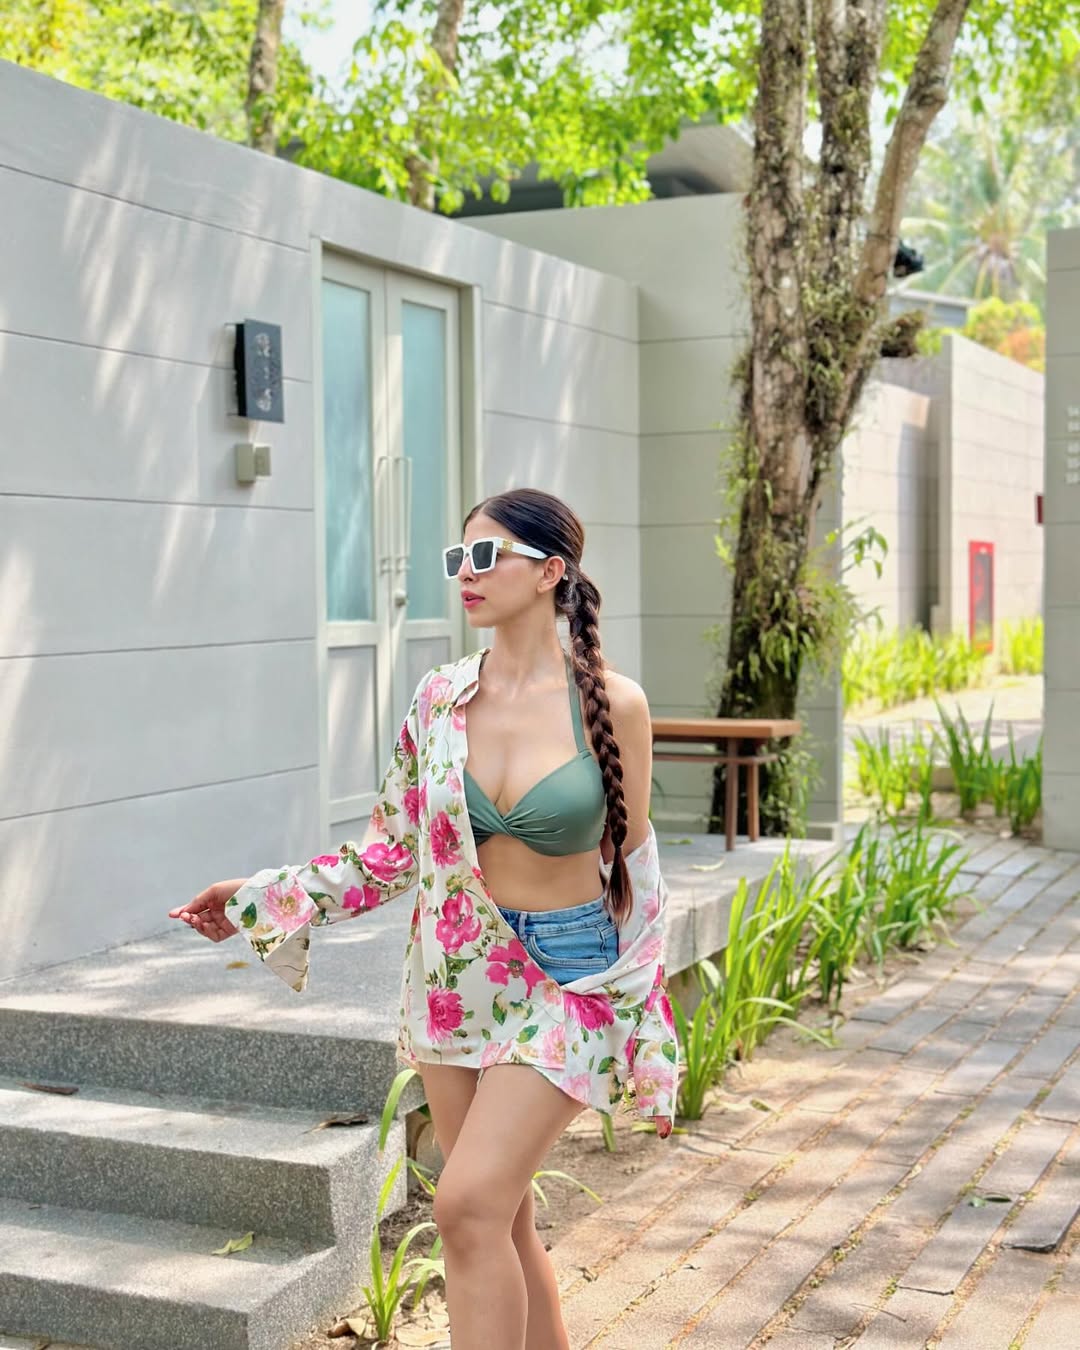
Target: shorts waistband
568,912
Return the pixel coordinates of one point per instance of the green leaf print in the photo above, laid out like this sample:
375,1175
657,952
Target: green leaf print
498,1008
669,1051
605,1064
527,1033
248,917
485,1033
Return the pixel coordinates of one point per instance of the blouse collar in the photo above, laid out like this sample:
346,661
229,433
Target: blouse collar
466,678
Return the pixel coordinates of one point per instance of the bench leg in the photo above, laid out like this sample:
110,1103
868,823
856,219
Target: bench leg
754,820
731,796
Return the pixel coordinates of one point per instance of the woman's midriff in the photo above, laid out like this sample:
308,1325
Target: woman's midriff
520,878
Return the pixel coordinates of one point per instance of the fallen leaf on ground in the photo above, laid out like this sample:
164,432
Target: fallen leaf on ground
51,1087
359,1118
235,1245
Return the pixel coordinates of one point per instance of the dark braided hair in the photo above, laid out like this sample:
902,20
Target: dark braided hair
547,523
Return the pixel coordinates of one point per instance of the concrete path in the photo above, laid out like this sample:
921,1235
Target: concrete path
915,1188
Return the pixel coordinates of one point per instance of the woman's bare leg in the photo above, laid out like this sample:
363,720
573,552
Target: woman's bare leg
500,1286
449,1090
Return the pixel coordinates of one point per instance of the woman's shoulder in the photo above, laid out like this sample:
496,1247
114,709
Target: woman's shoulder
626,696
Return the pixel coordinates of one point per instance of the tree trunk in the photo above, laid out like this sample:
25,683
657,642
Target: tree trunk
818,274
262,76
423,165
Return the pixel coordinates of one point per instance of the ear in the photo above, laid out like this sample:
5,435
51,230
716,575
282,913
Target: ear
551,574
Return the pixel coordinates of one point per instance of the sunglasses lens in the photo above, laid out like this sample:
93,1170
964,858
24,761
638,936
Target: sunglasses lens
483,555
452,559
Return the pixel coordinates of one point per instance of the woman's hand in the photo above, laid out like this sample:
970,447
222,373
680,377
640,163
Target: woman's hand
206,913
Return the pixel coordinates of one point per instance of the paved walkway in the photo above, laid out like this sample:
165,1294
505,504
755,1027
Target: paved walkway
914,1189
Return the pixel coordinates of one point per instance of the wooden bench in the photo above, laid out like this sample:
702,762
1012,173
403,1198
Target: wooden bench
731,731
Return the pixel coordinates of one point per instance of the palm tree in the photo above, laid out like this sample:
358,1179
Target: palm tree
985,196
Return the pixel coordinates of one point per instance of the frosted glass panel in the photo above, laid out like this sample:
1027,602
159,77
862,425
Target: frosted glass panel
352,721
424,428
347,427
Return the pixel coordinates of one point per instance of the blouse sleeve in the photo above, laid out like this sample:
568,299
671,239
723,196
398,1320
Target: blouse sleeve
277,907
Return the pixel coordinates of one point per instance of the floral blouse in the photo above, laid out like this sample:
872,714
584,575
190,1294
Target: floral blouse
470,993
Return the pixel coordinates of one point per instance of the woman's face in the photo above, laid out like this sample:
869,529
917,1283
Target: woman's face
513,585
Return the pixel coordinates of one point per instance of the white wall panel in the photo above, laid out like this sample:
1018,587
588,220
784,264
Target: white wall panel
80,576
79,267
79,881
145,722
83,422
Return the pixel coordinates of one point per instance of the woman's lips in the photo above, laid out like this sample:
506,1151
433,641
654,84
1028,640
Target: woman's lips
469,600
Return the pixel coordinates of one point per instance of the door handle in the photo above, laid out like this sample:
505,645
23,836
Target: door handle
384,553
403,480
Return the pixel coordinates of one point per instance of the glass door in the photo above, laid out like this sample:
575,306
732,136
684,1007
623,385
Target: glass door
425,459
391,498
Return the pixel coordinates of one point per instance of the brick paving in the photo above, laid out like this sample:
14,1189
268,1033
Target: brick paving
917,1187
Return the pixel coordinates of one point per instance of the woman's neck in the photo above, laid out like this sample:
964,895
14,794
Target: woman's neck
525,653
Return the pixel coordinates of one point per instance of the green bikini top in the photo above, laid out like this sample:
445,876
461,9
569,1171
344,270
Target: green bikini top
564,813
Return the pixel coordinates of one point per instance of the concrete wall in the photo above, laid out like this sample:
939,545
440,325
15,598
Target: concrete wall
683,255
991,470
890,483
1061,779
948,450
159,724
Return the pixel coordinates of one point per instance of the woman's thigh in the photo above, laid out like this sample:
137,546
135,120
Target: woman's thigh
449,1090
514,1118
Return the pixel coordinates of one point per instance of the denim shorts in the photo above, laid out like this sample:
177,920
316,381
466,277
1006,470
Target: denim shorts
567,944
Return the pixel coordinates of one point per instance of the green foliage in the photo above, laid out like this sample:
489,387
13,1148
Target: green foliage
913,881
1022,647
389,1287
889,669
970,761
891,888
188,62
987,191
891,767
762,982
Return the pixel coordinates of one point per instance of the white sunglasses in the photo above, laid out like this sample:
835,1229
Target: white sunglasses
482,554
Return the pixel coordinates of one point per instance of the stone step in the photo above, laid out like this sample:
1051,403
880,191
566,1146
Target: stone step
272,1067
193,1159
126,1282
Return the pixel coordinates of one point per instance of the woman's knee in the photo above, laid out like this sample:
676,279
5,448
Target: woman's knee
469,1210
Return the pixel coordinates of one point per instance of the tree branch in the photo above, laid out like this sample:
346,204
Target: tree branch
848,36
925,97
778,356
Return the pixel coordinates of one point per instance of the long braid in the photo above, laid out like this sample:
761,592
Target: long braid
580,603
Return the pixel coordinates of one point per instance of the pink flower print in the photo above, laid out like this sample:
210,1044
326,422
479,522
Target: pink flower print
406,741
453,781
444,1013
592,1011
552,1046
433,693
650,905
457,717
513,961
578,1086
422,799
445,841
490,1054
652,948
326,860
386,862
289,906
361,897
458,923
412,804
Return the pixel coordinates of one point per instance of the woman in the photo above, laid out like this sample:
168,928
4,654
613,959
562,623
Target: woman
533,982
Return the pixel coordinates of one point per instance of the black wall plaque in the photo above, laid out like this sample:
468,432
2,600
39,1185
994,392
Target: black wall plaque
257,357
